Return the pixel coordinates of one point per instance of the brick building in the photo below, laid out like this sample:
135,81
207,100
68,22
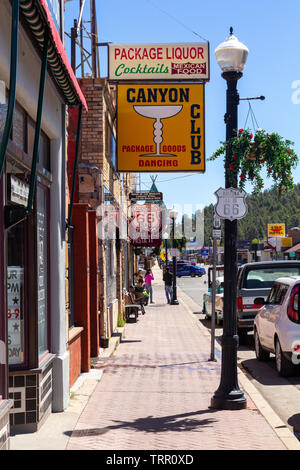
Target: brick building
103,258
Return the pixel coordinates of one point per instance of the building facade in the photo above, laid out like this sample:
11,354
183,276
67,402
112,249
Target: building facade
102,257
36,85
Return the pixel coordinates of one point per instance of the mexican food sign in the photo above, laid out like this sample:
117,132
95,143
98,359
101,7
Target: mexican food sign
160,127
159,62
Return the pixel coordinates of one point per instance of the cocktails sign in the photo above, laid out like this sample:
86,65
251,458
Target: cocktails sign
159,62
160,128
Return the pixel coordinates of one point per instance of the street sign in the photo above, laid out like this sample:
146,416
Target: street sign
231,203
146,196
216,233
216,221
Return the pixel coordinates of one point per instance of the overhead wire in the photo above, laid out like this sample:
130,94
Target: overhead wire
177,20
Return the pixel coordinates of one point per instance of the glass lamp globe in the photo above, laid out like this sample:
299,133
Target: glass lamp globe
231,54
173,213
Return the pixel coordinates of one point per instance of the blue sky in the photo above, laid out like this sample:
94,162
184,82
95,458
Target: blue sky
269,28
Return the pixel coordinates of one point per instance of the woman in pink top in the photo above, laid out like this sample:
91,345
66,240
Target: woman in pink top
148,286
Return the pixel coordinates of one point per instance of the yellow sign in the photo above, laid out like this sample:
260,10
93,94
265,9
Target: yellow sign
160,128
276,230
287,242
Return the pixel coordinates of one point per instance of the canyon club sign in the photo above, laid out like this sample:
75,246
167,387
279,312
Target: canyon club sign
159,62
160,127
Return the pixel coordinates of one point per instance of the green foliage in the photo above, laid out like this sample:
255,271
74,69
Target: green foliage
263,208
180,243
121,321
249,155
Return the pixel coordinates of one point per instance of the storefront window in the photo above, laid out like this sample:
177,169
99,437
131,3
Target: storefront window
15,294
42,268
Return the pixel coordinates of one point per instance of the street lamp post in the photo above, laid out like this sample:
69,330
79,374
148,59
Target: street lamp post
231,56
173,215
165,237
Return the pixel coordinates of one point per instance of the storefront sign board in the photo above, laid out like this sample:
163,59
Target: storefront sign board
276,230
160,128
158,62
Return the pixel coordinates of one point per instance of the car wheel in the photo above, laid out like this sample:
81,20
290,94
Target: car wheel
283,366
261,354
193,274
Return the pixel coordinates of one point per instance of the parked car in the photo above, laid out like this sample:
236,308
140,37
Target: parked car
207,296
277,325
256,280
189,270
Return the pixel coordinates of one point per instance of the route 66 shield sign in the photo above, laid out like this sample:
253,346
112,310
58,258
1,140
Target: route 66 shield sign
231,203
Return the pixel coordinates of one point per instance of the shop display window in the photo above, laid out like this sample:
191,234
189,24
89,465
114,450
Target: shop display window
15,294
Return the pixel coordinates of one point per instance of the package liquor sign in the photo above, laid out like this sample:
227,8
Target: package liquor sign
160,128
159,62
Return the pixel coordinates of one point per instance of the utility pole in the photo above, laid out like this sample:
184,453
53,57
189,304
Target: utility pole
81,40
93,39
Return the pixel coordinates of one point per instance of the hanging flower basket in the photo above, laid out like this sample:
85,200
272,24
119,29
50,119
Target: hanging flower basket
250,154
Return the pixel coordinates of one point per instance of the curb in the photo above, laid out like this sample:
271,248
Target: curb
276,423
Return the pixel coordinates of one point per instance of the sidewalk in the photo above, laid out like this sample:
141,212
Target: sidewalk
155,392
156,389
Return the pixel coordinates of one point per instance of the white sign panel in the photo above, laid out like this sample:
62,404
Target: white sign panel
231,203
14,297
216,233
159,61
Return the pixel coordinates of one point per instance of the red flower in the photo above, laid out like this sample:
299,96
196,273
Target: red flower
281,191
251,135
270,170
242,177
288,151
240,131
260,185
234,156
231,167
262,161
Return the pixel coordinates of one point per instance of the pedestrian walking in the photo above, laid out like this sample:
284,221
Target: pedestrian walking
168,280
148,284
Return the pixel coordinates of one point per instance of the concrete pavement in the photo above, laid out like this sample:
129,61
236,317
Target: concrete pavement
154,393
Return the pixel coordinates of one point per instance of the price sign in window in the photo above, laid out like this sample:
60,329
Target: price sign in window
15,279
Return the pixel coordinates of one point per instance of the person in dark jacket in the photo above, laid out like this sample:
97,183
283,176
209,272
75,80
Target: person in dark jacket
168,280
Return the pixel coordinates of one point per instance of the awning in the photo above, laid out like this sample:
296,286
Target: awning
293,249
37,16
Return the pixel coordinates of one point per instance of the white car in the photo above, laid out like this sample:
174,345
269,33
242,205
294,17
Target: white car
277,325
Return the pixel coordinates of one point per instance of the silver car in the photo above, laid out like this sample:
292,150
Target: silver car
256,280
277,326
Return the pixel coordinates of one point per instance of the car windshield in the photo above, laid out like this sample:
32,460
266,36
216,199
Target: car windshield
263,278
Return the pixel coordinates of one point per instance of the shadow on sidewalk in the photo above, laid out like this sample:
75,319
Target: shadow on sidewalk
154,425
